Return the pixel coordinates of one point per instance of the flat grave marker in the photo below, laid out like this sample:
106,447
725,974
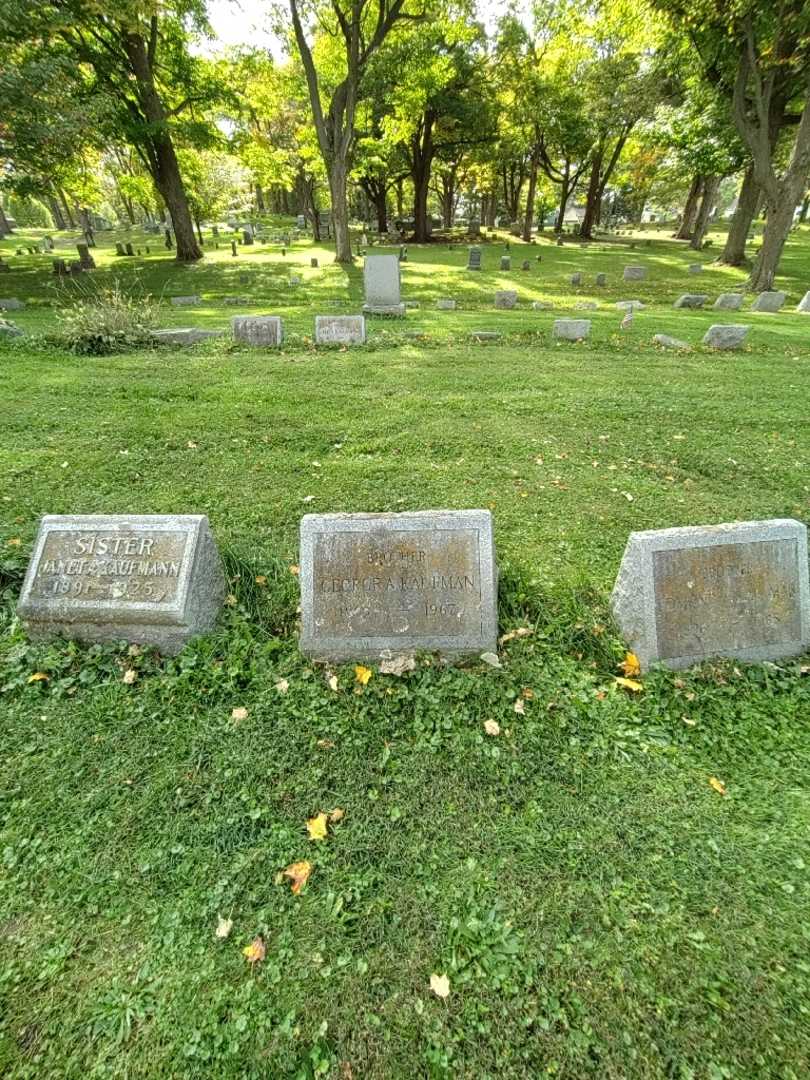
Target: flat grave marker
340,329
379,585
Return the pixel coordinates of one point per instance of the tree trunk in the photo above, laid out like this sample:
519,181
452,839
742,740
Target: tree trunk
340,211
565,195
5,228
805,210
777,227
260,199
690,210
492,209
68,212
421,163
593,200
56,212
381,207
734,251
530,194
199,231
710,187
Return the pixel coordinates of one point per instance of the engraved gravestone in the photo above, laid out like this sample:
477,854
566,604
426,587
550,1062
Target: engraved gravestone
379,585
258,329
150,579
474,259
381,281
340,329
740,590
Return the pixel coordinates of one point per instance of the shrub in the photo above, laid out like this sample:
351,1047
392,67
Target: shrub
99,320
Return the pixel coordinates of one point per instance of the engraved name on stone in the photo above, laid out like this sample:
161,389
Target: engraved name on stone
380,584
151,579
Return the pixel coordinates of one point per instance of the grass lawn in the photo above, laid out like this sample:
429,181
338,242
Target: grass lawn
599,908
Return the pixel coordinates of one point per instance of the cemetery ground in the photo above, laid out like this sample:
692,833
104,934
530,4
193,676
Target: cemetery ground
613,878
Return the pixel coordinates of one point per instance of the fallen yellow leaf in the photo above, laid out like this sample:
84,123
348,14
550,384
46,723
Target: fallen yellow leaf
332,681
129,676
440,985
224,927
295,570
230,600
492,727
362,674
521,631
282,686
261,579
337,814
38,676
255,951
14,541
520,707
316,827
718,785
629,684
299,874
630,665
239,713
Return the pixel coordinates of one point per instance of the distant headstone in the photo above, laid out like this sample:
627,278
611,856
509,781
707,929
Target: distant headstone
729,301
119,249
560,241
741,590
505,298
691,300
485,335
85,258
301,221
576,279
768,301
11,303
586,305
183,335
572,329
130,250
403,253
215,231
668,342
313,262
526,265
601,279
60,267
696,268
381,282
474,259
234,250
184,301
9,330
446,305
247,236
804,304
726,336
153,580
635,273
340,329
376,586
542,305
47,243
630,305
295,279
506,262
258,329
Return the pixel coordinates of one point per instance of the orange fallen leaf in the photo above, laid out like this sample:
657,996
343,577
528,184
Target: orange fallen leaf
38,676
362,674
630,665
527,693
299,875
316,827
629,684
255,951
718,785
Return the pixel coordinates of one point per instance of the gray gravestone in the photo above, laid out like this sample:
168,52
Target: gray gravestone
11,303
258,329
130,250
576,279
340,329
382,585
542,305
485,335
768,302
85,258
119,249
184,301
728,301
474,259
151,579
804,304
696,268
672,343
446,305
505,298
313,262
741,590
730,336
9,330
601,279
572,329
526,265
506,262
691,300
629,305
183,335
381,282
635,273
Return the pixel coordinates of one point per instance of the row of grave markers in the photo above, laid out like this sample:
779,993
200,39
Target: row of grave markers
376,586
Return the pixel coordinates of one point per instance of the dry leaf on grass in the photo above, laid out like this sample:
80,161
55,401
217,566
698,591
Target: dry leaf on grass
295,571
255,951
230,600
282,686
718,785
316,827
520,707
362,674
14,541
630,665
261,579
239,713
336,815
298,873
492,727
440,985
38,676
397,666
522,631
490,658
224,927
129,676
332,681
629,684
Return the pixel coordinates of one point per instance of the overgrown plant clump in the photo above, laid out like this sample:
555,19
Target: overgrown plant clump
99,320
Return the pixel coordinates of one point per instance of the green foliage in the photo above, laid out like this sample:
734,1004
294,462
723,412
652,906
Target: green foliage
96,320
